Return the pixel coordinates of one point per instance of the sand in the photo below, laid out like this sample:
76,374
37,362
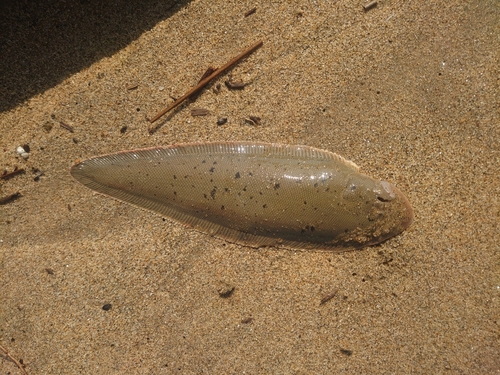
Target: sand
408,90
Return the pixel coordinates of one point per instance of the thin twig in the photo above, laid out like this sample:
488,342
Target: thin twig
328,296
204,82
7,354
9,198
209,71
66,126
11,174
251,11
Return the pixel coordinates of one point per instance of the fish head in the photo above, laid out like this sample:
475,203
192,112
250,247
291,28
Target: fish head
379,211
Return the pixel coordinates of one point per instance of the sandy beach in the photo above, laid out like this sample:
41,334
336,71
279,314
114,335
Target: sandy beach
409,91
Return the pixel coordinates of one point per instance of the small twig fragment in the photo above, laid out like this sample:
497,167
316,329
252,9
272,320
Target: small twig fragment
216,88
204,82
7,354
346,352
132,86
370,5
253,120
66,126
328,297
207,73
199,112
239,85
16,171
247,320
10,198
251,11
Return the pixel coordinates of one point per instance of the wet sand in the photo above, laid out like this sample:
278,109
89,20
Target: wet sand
409,91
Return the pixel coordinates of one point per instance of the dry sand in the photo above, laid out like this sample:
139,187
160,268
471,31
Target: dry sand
408,90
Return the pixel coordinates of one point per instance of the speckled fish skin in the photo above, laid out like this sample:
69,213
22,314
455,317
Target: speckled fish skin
256,194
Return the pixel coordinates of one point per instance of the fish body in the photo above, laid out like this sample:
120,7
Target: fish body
256,194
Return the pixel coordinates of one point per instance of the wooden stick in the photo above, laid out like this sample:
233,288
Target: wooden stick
11,174
7,354
10,198
328,296
204,82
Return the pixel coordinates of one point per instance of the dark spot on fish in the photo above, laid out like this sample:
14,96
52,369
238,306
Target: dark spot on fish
175,177
312,228
194,167
185,176
276,186
212,193
204,195
212,170
305,202
203,161
226,190
382,199
215,162
250,174
316,184
175,193
245,188
237,175
222,207
264,206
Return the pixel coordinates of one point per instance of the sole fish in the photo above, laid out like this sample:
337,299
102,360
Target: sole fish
256,194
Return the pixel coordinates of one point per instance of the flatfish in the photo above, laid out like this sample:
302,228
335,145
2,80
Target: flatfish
256,194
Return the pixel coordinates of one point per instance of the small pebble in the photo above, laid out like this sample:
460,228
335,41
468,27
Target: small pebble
225,290
221,121
107,307
22,152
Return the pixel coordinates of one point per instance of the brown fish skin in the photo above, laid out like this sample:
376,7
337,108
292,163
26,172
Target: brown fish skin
256,194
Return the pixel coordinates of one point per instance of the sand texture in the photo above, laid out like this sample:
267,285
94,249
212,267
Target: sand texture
408,90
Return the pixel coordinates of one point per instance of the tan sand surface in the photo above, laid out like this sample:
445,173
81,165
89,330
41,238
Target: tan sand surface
409,91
